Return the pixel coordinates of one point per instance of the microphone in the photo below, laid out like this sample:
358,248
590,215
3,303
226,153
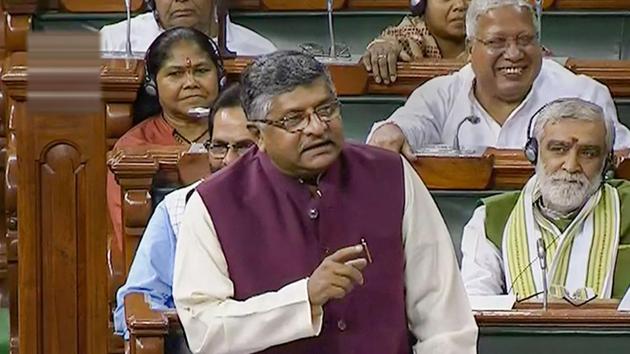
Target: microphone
472,120
541,251
199,112
331,31
128,46
542,257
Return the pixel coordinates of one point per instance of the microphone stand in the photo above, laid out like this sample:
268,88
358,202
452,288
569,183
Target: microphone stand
128,44
542,256
473,120
331,30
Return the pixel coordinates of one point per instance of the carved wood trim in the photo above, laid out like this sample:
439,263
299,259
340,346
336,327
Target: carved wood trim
17,25
135,169
61,198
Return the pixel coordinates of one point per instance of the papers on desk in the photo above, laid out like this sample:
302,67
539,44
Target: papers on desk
492,302
624,305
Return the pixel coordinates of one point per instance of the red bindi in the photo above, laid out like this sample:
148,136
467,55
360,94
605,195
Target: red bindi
188,62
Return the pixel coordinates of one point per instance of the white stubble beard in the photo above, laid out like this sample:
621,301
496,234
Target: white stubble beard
565,192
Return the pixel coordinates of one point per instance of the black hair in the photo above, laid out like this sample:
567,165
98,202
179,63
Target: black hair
230,97
147,103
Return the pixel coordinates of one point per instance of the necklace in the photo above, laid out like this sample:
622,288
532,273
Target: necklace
180,138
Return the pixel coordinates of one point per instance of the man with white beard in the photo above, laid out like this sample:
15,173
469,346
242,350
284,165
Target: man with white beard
583,219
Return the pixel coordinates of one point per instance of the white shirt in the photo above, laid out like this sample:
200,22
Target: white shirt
483,268
144,29
433,111
438,311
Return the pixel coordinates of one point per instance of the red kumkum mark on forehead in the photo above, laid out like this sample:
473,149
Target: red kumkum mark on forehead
188,63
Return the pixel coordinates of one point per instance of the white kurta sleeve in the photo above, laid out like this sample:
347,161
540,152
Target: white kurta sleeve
437,306
423,115
213,321
482,264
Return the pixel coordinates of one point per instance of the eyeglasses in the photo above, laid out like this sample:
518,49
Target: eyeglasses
219,150
501,44
317,50
297,121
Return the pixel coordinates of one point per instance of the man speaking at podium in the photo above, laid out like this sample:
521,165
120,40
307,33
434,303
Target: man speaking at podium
582,218
166,14
314,245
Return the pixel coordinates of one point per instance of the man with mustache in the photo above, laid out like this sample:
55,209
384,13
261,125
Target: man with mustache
582,219
166,14
273,252
152,268
506,82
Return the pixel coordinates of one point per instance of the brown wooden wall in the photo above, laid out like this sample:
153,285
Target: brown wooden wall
95,6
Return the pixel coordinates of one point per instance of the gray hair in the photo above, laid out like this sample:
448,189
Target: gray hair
573,108
275,74
478,8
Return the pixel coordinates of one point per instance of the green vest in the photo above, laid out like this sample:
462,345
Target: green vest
500,207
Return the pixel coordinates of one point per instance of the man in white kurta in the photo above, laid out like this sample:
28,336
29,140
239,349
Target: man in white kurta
285,220
580,219
506,82
144,29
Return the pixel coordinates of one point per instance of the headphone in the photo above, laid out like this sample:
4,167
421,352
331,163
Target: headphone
417,6
531,146
150,86
150,4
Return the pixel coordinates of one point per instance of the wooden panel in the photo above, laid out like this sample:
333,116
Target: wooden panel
61,197
348,78
292,5
613,73
136,170
591,315
147,328
99,5
17,22
591,4
20,7
378,4
245,4
403,4
446,172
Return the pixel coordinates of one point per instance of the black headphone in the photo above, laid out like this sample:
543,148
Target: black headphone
418,7
150,86
531,146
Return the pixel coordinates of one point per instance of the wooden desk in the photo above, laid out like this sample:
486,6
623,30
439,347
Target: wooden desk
353,80
593,329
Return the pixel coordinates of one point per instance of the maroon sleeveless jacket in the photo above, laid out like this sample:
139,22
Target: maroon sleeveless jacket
273,233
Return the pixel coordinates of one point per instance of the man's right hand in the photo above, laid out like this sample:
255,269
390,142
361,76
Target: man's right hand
336,276
380,58
390,137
